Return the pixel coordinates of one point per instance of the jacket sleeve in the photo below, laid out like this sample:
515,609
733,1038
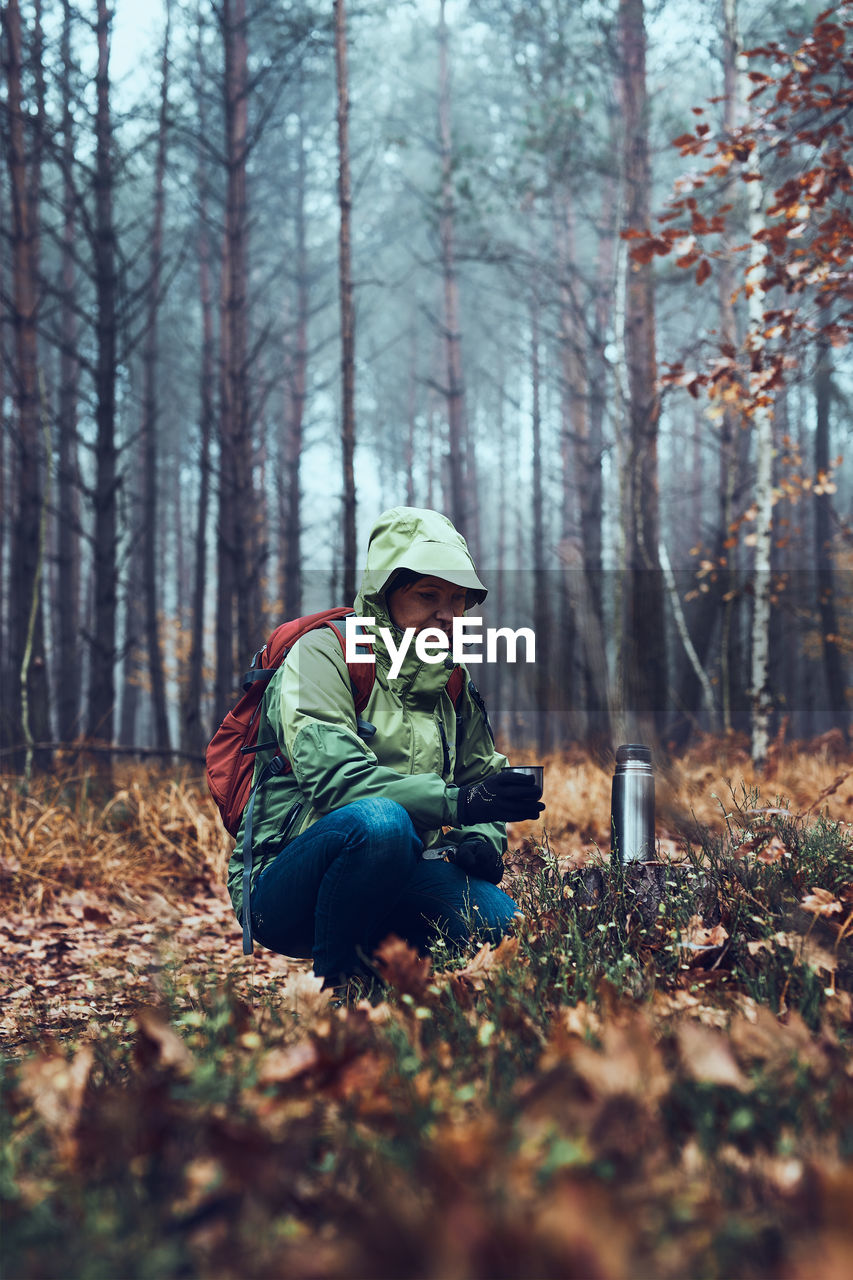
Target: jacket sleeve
314,718
476,758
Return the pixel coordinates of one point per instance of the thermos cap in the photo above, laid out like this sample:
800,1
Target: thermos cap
633,751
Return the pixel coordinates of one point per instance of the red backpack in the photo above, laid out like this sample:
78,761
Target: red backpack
230,756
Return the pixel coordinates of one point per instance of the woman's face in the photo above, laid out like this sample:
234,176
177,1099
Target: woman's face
429,602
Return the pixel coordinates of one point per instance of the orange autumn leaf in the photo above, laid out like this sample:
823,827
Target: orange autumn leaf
401,966
821,902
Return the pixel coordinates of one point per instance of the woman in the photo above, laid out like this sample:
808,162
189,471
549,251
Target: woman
339,843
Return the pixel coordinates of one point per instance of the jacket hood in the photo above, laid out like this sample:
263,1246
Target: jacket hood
421,540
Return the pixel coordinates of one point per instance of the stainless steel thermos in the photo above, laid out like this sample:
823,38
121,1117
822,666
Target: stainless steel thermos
632,808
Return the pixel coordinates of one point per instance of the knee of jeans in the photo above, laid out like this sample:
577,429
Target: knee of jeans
384,824
492,912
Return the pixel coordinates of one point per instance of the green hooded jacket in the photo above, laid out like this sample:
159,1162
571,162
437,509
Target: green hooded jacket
423,749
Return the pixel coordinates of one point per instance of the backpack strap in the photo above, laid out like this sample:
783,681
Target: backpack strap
455,687
362,676
269,770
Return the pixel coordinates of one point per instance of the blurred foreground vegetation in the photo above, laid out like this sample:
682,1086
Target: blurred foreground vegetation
653,1077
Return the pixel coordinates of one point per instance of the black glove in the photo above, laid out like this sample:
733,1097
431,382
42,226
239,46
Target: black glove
503,797
477,857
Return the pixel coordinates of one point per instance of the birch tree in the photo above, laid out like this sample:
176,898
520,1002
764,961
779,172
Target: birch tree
762,422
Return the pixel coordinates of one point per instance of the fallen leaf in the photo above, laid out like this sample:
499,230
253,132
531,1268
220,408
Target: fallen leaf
483,964
698,939
629,1062
56,1089
760,1036
772,852
807,951
821,902
278,1066
302,993
158,1044
707,1056
401,966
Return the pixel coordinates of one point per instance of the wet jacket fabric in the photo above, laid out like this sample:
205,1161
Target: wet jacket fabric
410,743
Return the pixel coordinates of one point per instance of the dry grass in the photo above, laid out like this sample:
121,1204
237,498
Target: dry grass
713,781
150,830
154,828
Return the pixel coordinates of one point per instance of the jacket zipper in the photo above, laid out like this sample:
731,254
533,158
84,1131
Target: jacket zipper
445,748
290,821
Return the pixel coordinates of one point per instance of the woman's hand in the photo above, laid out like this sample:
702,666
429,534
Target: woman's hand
503,797
477,857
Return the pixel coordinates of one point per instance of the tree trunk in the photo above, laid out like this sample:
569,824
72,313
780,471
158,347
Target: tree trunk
583,401
6,489
498,609
830,635
411,411
762,425
644,650
456,417
133,668
433,451
347,309
235,461
540,588
291,524
103,642
150,411
718,606
68,665
728,423
194,736
520,611
38,131
591,482
28,674
575,613
259,546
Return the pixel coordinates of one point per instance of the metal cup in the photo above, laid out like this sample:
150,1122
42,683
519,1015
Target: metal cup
535,771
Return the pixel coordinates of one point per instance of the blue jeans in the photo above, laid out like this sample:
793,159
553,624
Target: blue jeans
355,876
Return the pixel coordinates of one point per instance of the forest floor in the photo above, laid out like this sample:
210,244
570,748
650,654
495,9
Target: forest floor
649,1078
